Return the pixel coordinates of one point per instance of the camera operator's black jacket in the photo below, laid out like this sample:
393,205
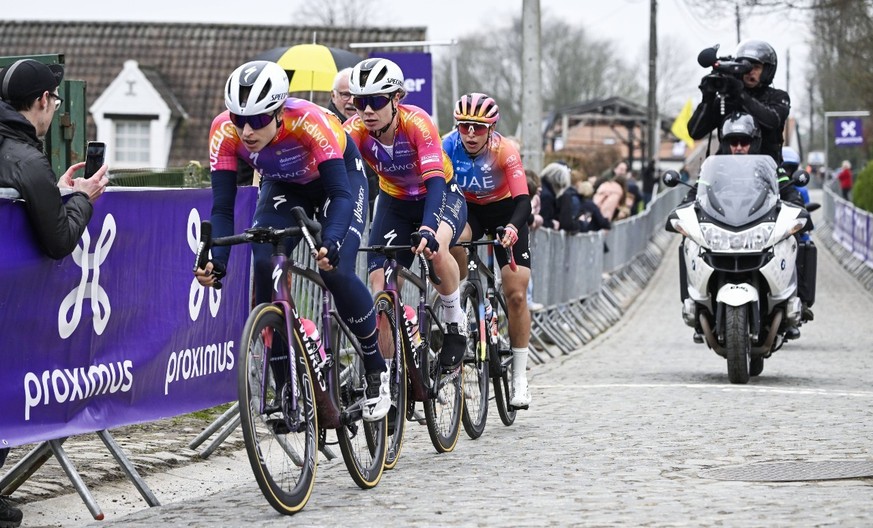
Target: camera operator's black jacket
25,168
768,106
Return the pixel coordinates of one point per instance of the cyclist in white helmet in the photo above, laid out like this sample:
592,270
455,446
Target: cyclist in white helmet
305,159
418,191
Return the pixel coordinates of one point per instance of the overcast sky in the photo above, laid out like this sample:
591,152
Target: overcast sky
626,22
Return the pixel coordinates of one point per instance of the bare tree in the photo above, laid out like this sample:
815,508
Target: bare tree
344,13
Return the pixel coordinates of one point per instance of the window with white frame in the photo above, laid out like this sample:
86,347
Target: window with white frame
132,143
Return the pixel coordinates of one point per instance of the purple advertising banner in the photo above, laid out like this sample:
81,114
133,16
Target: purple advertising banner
417,71
848,132
119,332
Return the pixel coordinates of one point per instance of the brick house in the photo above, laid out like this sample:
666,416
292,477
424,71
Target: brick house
152,89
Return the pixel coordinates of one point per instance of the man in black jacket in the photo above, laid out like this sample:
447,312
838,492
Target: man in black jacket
28,90
752,95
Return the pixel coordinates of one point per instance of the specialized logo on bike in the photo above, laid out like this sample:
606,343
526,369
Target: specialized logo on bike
70,312
198,293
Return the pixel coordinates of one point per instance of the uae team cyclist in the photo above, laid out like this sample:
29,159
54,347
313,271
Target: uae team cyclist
417,190
488,168
305,159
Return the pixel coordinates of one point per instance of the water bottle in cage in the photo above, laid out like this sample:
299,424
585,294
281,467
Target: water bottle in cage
312,339
412,325
491,322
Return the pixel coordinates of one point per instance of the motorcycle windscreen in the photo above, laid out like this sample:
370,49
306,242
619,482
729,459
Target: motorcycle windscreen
737,190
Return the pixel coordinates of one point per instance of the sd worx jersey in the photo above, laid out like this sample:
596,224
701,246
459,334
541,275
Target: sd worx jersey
416,156
307,136
493,175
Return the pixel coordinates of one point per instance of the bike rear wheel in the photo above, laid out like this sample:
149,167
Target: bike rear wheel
391,343
279,424
501,367
476,375
443,411
362,443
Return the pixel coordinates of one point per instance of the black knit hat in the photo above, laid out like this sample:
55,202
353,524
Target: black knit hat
28,78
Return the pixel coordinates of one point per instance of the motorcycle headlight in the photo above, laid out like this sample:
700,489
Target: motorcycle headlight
754,239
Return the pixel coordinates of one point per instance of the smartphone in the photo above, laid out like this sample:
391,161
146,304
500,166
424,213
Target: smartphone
94,157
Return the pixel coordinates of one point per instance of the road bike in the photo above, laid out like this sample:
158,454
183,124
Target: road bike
489,355
278,368
414,366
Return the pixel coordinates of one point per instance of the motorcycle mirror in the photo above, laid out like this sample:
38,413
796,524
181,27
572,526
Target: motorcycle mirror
671,178
800,178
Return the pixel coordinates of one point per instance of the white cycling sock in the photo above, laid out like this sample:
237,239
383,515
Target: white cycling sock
452,312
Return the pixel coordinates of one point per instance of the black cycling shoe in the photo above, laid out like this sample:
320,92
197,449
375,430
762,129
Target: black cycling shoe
454,346
9,515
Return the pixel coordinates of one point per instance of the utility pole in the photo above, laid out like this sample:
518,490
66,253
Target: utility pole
737,15
654,142
531,95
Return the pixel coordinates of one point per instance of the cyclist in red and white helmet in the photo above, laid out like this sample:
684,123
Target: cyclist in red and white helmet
305,159
418,191
488,168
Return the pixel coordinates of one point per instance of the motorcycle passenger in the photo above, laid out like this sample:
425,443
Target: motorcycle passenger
489,170
752,95
417,188
305,159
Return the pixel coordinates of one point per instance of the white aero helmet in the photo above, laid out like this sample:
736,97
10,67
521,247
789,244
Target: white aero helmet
375,77
256,87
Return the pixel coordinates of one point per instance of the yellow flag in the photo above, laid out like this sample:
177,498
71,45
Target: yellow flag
680,125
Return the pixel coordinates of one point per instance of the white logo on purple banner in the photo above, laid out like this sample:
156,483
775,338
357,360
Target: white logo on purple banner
197,292
70,312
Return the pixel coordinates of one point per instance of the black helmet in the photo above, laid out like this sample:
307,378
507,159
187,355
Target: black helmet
759,51
740,124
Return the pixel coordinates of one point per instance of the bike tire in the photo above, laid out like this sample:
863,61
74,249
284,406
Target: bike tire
476,366
501,357
443,411
363,444
281,443
737,343
390,340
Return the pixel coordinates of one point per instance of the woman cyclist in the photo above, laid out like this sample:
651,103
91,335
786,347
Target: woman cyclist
489,170
417,189
305,159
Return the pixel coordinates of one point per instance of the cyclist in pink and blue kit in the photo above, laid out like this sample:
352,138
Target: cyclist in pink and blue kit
305,159
489,170
417,191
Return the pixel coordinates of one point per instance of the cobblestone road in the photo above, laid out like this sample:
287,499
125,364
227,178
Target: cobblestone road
620,433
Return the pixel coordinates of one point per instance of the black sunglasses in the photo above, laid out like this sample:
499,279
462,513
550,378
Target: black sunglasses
376,102
257,122
740,142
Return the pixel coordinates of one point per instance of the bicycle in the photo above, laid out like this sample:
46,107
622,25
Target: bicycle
278,367
489,355
416,373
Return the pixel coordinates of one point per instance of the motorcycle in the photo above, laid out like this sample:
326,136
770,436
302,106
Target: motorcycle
739,249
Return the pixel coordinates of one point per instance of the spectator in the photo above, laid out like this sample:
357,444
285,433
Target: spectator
845,178
590,214
28,90
341,106
609,196
569,205
620,169
635,200
555,177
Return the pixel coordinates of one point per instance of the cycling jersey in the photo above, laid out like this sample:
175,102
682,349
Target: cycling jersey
307,137
494,174
415,156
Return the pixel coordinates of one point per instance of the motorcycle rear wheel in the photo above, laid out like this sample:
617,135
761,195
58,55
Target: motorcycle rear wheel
737,343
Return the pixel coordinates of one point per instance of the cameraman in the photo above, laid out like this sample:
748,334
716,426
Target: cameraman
752,94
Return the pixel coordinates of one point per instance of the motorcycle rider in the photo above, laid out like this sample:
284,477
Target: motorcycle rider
752,94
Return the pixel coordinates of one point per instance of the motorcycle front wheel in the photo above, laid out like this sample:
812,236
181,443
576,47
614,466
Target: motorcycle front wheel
737,343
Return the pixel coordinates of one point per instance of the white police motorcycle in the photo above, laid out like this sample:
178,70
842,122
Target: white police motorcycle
739,252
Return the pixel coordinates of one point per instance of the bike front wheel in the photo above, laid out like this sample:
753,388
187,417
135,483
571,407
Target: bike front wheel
277,412
390,343
362,443
443,410
476,378
501,364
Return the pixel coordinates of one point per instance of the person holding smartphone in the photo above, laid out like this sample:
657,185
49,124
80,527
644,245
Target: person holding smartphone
29,93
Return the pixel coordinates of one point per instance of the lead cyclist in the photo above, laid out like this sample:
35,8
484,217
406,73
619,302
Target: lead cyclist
489,170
